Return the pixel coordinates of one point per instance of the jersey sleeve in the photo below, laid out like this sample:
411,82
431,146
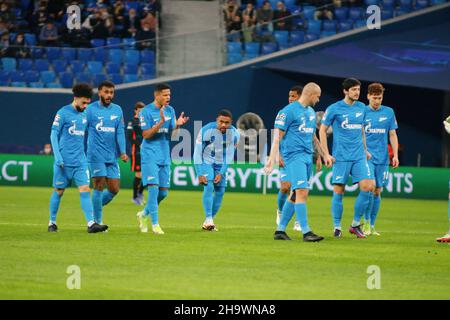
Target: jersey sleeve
328,117
58,121
173,122
282,120
393,125
121,134
198,154
145,119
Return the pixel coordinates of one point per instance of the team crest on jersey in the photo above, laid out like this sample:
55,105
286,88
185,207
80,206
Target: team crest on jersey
281,119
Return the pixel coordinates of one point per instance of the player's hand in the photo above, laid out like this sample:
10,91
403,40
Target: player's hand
329,160
218,178
268,167
281,162
368,155
202,180
395,163
162,119
124,157
60,164
447,125
182,120
318,164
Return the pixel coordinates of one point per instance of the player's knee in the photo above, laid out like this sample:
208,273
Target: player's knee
114,190
339,189
367,186
377,192
99,184
84,189
301,195
285,187
60,192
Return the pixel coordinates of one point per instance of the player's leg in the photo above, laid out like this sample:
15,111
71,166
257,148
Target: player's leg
283,193
151,175
98,174
446,237
374,209
60,182
341,171
164,182
208,198
375,174
219,192
112,182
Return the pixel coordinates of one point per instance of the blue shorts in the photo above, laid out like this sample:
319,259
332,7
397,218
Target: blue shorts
101,169
359,170
283,175
379,172
153,173
62,178
299,173
212,170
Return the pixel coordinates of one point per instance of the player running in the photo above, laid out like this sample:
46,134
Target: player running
446,237
347,117
295,128
106,142
214,150
158,123
67,138
380,124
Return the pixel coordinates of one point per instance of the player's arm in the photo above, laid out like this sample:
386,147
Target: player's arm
147,131
327,158
368,155
181,121
320,154
54,139
393,139
120,138
198,159
229,155
274,150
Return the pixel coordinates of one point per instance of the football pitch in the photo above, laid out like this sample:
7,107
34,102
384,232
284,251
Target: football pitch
241,261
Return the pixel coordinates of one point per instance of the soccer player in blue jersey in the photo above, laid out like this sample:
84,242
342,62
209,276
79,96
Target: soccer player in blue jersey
214,151
106,142
347,117
295,128
380,124
446,237
67,138
158,123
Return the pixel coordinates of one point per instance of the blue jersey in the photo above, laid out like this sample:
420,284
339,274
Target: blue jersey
157,148
215,147
378,124
299,124
70,127
347,122
106,133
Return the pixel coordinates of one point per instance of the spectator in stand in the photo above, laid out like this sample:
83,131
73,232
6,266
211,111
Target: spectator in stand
3,28
132,24
265,16
107,18
145,38
249,14
248,29
40,17
324,10
280,16
6,15
230,10
49,35
55,10
150,18
20,47
119,17
5,47
355,3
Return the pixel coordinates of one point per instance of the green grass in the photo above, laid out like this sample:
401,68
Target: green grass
241,261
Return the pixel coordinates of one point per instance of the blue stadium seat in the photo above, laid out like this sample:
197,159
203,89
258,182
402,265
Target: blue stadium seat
341,13
401,12
421,4
406,5
282,37
53,53
17,76
360,23
112,67
127,78
25,64
36,84
252,47
234,36
249,56
371,2
325,34
20,84
30,39
99,78
148,68
131,5
147,56
147,77
31,76
329,25
297,37
116,78
4,83
268,47
314,26
97,43
435,2
308,12
4,75
233,58
48,76
298,23
115,55
53,85
77,66
83,77
290,3
85,54
345,26
9,64
12,36
100,54
129,42
114,42
234,47
387,14
59,66
37,53
41,65
132,56
94,67
130,68
69,53
311,37
388,4
66,79
355,13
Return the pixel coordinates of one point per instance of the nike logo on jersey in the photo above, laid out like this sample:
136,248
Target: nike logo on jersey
300,182
59,182
382,119
96,170
114,117
150,178
283,175
358,114
338,178
167,118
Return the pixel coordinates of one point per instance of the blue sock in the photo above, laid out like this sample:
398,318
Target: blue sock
368,212
286,215
152,204
374,210
281,199
86,206
336,209
207,199
97,197
217,201
361,205
55,199
162,194
302,217
107,197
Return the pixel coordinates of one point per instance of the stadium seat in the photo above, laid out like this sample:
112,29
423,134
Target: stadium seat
329,25
401,12
249,56
59,66
233,36
435,2
311,37
112,67
421,4
99,78
127,78
53,53
41,65
9,64
345,26
20,84
281,37
297,37
129,42
355,13
12,36
47,76
115,55
325,34
405,5
314,26
94,67
116,78
387,14
130,68
252,47
84,54
36,85
308,12
31,76
114,43
341,13
147,77
148,69
4,83
4,75
132,56
66,79
30,39
77,66
233,58
83,77
17,76
298,23
147,56
268,47
371,2
360,23
97,43
388,4
131,5
100,54
234,47
53,85
25,64
69,53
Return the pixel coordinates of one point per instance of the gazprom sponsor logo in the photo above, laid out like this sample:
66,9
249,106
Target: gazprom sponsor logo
163,130
370,130
346,125
101,128
73,130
